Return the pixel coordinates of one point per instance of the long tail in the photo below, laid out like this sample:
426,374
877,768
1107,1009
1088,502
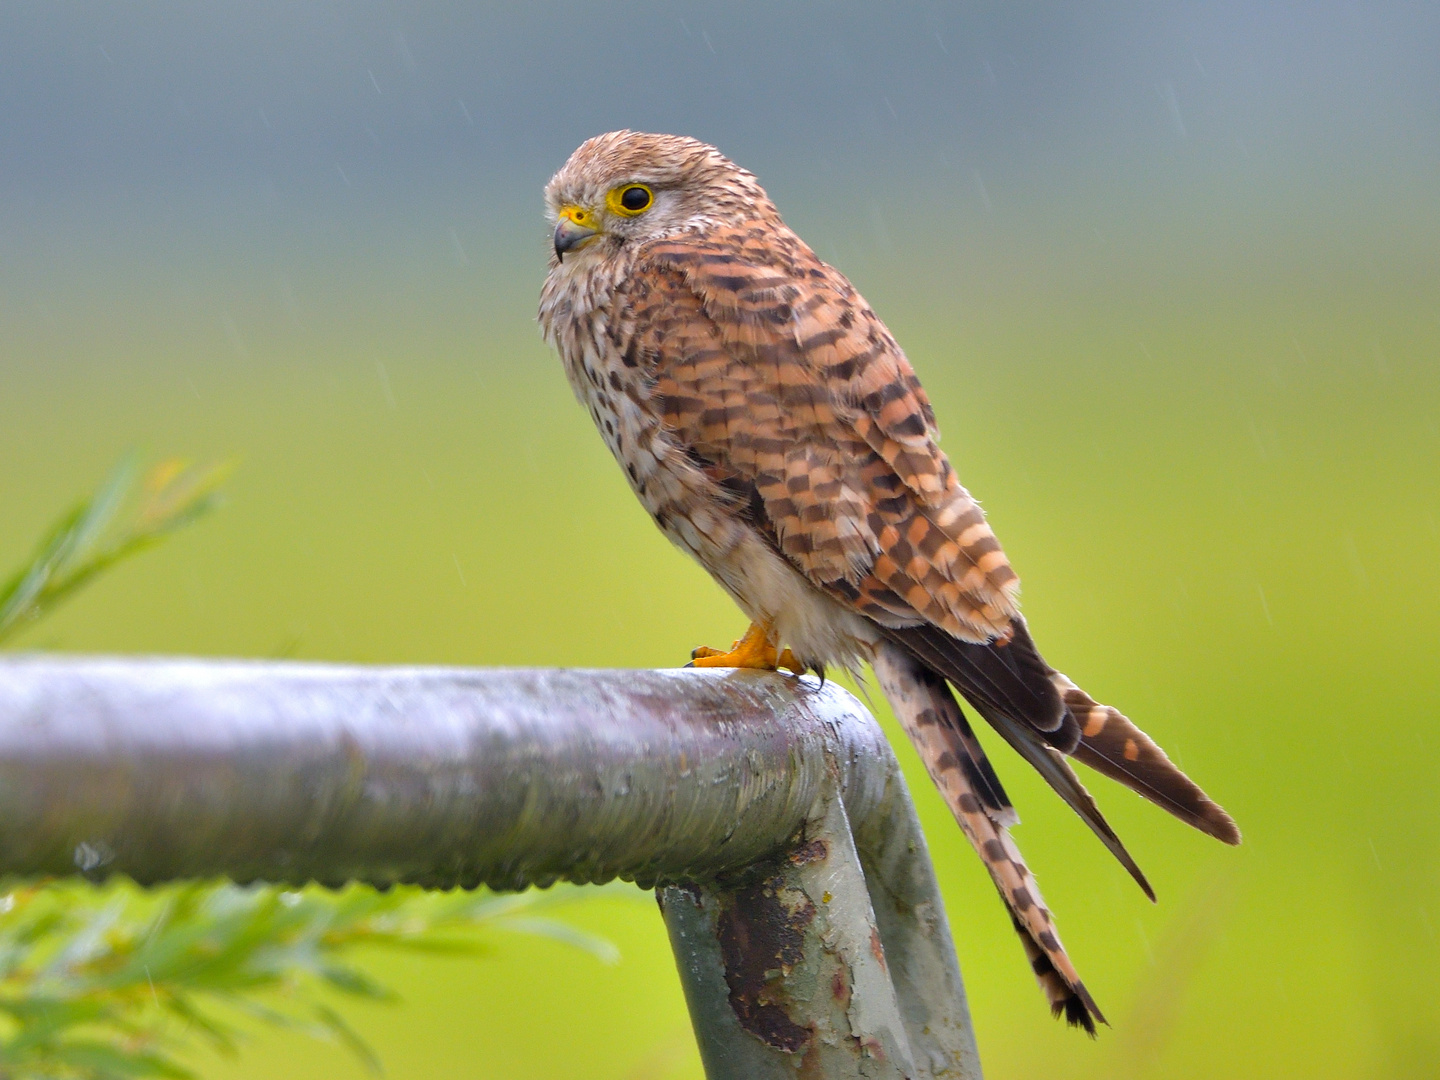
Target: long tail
1042,714
1002,682
932,718
1111,744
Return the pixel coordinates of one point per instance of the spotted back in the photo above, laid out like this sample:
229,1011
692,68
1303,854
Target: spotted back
773,370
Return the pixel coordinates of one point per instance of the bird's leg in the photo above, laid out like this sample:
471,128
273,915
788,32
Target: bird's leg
755,650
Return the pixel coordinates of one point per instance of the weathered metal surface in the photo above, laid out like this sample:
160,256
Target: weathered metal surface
793,948
910,915
165,769
737,790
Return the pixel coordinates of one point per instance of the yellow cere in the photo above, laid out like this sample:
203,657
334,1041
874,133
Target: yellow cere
579,215
630,200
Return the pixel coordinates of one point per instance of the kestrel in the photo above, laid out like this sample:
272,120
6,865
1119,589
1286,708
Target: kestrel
774,430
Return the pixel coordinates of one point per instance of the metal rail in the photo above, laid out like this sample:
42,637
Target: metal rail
768,812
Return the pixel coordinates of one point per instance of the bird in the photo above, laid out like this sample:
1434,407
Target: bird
773,428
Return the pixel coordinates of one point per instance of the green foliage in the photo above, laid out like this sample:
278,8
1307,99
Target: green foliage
97,534
113,982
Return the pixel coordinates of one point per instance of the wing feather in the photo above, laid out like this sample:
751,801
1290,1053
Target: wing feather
818,407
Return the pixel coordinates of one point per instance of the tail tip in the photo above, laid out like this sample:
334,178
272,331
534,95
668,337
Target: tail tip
1222,826
1079,1010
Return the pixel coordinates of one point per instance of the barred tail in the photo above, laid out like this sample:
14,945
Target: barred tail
1111,744
932,718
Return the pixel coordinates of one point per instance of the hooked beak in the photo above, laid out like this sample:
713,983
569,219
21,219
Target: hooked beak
575,227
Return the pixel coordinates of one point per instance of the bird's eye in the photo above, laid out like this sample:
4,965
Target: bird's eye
635,198
631,199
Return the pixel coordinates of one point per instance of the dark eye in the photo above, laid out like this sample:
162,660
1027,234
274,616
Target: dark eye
635,198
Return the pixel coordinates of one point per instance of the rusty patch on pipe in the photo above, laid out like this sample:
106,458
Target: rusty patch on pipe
814,851
840,987
762,939
877,949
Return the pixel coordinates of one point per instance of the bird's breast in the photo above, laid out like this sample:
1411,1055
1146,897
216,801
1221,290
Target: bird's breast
598,345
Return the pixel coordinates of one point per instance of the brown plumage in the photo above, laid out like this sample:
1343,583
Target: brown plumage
773,428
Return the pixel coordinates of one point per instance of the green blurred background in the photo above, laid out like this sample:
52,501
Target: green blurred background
1169,273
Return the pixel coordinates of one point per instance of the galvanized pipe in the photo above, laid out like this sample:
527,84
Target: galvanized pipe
713,782
794,948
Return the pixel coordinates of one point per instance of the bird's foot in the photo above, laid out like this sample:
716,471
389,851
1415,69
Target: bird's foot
755,650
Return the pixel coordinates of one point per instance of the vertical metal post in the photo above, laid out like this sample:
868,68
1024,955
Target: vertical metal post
787,969
910,913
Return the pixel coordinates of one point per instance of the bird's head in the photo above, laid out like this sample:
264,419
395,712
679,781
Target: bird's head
627,187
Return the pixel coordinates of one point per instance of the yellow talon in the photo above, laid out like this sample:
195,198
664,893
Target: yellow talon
755,650
787,660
